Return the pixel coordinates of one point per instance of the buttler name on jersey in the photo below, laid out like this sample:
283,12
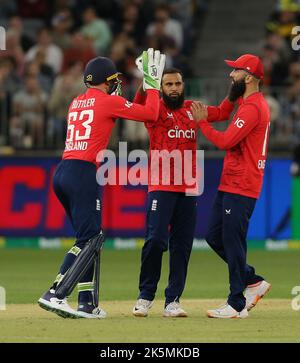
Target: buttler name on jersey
82,115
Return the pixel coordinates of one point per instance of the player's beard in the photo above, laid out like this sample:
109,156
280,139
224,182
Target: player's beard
237,89
173,102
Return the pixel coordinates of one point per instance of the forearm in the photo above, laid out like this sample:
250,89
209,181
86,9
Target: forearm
148,112
214,136
140,96
151,110
221,112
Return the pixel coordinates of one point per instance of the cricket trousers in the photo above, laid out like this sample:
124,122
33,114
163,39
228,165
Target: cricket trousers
227,233
75,185
171,220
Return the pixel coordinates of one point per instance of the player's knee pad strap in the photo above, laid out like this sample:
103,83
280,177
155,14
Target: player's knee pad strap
83,261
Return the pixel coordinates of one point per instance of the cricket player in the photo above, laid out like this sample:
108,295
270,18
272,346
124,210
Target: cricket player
245,142
91,118
171,213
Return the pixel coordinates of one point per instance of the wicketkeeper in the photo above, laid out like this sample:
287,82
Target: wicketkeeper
91,118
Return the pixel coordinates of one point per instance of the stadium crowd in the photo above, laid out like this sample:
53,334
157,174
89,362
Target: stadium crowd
49,43
282,74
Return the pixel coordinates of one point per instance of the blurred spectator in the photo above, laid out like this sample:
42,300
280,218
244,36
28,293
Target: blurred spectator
8,8
135,133
43,73
131,23
280,71
16,24
82,29
167,45
273,104
293,91
61,25
52,53
182,10
158,39
27,123
275,69
282,48
81,49
124,55
290,109
291,5
66,87
9,84
146,14
109,8
40,9
172,27
97,30
293,94
14,50
61,5
9,80
284,19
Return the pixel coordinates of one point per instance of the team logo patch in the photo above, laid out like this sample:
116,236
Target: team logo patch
89,77
154,205
190,115
98,204
128,104
239,123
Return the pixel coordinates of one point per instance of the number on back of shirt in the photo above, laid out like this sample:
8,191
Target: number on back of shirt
74,122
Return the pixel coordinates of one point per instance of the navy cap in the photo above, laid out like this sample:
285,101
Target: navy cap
99,70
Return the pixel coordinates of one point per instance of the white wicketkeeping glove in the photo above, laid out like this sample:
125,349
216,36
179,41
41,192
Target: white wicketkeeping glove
151,63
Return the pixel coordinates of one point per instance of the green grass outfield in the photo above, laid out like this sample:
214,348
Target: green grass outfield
27,273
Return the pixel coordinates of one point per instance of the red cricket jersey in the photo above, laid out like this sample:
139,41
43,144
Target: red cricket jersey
92,116
245,142
175,131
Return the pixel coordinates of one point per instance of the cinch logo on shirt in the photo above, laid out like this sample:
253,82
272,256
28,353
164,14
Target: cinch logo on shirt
177,134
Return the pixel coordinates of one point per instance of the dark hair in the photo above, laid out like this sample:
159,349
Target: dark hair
173,71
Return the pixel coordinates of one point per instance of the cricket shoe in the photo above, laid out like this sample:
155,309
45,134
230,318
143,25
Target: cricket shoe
50,302
174,310
142,307
89,311
227,312
255,292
